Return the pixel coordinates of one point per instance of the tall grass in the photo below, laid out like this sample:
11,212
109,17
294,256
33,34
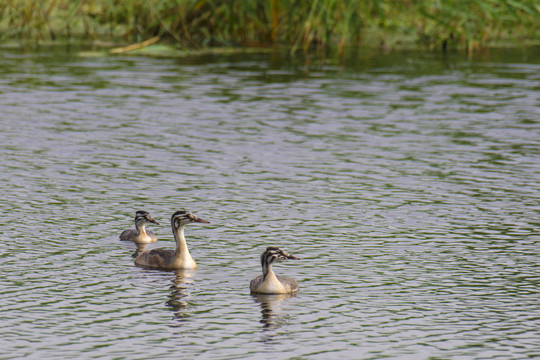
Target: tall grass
474,23
300,24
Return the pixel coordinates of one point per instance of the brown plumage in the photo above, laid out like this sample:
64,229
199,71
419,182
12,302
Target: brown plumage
140,234
166,259
268,282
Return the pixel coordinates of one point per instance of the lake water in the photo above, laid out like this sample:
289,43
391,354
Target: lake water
408,183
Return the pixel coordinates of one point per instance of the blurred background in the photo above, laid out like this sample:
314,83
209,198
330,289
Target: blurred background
394,146
295,24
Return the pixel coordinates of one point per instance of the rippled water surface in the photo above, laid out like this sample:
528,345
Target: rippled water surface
408,183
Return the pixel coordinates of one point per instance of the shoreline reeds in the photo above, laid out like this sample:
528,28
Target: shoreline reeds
298,24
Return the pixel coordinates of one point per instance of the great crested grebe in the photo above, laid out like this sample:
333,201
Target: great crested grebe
172,259
268,282
140,234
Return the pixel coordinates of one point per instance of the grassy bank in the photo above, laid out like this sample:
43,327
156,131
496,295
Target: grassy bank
298,24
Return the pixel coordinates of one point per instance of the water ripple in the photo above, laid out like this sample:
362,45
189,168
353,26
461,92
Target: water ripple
409,189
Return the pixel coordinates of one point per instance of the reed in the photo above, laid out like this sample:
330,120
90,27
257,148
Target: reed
474,23
299,24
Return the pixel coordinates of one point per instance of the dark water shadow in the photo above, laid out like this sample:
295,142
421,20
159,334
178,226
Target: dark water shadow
140,249
271,316
179,293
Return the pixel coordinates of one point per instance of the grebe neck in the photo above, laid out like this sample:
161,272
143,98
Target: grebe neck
266,267
141,229
181,245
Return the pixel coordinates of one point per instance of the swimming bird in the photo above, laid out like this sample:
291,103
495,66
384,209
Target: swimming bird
180,258
268,282
140,234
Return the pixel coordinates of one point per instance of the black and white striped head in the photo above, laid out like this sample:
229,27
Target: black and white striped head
273,253
182,218
142,217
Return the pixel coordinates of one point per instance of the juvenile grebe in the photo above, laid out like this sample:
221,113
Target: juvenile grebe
268,282
172,259
140,234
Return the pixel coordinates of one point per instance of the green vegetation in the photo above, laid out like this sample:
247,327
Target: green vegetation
299,24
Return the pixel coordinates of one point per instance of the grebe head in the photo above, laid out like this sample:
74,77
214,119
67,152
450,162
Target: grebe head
273,253
142,217
182,218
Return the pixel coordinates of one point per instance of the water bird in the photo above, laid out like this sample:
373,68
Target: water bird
180,258
140,234
268,282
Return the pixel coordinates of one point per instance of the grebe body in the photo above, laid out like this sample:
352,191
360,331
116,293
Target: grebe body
268,282
140,234
180,258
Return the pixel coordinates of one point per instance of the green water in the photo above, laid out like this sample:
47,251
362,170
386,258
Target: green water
407,182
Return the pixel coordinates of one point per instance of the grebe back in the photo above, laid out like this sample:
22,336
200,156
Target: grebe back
166,259
268,282
140,234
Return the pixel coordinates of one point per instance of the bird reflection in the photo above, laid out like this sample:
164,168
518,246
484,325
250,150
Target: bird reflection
179,291
271,318
140,248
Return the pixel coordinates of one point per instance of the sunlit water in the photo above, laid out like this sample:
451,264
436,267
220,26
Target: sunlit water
409,184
